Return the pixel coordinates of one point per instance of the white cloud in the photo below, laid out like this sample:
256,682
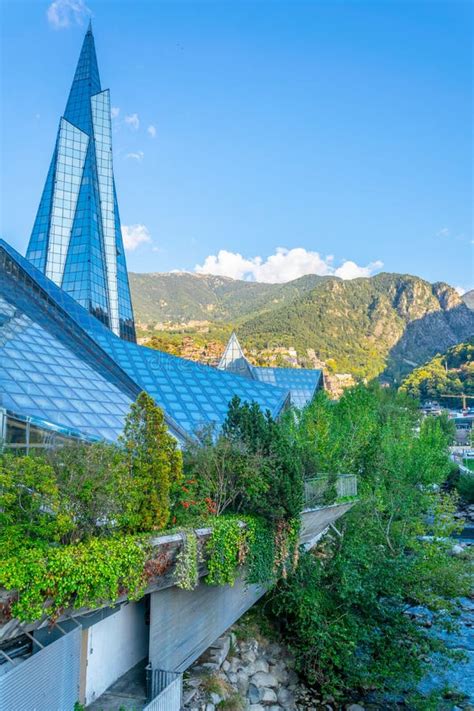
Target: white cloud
64,13
443,232
138,155
114,112
351,270
461,290
134,235
283,266
151,130
133,121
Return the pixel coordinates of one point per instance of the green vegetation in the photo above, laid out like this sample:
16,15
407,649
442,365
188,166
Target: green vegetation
184,297
101,504
465,487
345,610
450,373
153,462
76,528
367,327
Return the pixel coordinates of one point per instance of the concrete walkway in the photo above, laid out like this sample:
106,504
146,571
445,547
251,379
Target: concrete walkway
127,694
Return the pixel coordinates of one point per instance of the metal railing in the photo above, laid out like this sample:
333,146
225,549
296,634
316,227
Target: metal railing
324,490
164,690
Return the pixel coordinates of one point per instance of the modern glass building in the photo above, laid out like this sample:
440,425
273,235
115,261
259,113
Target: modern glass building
65,372
69,363
76,239
302,383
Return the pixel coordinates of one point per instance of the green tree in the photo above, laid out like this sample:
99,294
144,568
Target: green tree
345,612
154,463
225,473
280,465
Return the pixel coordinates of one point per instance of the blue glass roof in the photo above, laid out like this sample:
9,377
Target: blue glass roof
48,373
302,383
191,395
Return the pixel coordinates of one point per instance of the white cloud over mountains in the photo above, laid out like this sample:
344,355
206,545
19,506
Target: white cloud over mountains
283,266
134,235
64,13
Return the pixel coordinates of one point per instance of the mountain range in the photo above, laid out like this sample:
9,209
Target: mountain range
378,326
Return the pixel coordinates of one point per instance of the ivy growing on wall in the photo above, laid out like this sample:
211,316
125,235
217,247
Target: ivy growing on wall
82,575
186,570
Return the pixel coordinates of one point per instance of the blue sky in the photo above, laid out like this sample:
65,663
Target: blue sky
260,139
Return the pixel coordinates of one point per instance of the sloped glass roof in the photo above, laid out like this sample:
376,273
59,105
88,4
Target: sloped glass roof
302,383
47,373
192,395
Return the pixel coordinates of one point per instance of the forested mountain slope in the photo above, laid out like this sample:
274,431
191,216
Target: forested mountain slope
449,373
384,325
183,297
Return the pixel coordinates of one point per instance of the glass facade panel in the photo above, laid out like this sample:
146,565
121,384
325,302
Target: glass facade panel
70,159
76,239
100,104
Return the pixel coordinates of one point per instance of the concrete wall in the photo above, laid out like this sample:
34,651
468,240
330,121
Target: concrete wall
114,646
183,624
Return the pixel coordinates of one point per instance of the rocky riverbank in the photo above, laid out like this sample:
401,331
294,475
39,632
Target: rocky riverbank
249,672
250,675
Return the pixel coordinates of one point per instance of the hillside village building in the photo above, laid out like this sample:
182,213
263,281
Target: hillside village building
70,368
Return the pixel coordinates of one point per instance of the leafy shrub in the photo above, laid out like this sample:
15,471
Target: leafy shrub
94,486
280,466
465,487
226,475
30,501
80,575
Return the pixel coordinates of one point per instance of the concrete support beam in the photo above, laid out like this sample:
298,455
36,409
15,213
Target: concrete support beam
183,624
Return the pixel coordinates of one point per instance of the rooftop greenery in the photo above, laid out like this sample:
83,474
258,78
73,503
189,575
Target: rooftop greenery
76,522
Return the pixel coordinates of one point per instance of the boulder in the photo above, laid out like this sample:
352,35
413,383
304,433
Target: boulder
249,657
267,696
260,665
264,679
253,694
242,682
286,698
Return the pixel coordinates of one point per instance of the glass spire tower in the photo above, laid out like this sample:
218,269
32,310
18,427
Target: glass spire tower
76,239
